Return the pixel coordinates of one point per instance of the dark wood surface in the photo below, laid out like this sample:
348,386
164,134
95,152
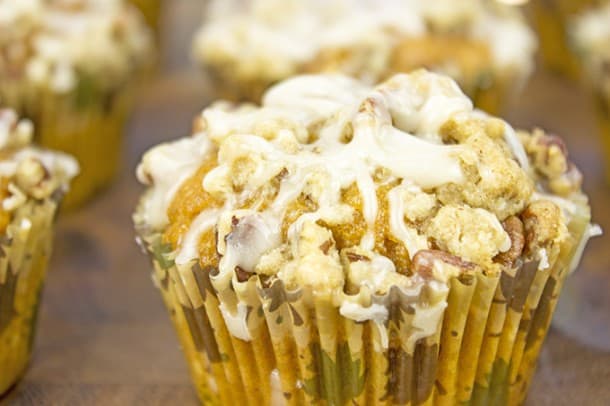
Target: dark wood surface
105,338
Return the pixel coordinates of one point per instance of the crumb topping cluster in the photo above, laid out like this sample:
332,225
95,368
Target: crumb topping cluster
347,188
58,44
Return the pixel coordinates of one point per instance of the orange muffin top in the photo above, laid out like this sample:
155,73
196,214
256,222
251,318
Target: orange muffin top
350,190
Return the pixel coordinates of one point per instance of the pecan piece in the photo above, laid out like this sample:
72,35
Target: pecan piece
353,257
241,274
514,228
326,246
423,262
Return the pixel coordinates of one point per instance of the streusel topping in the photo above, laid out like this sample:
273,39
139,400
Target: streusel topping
344,187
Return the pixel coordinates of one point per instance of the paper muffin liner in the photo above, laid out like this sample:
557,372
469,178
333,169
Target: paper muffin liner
472,341
85,123
24,251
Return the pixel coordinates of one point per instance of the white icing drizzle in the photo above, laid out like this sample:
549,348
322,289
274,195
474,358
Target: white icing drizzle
237,323
376,312
516,147
425,321
188,248
251,236
356,312
277,394
543,257
409,236
166,167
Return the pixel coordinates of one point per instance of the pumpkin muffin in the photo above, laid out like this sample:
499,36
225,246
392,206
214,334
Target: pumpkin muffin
70,67
349,244
32,183
590,33
486,47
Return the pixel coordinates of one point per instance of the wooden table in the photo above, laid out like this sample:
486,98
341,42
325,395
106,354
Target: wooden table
105,338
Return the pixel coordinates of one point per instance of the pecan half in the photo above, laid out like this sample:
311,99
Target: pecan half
514,228
241,274
423,262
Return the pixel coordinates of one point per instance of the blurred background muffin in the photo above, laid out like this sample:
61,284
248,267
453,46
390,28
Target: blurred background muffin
590,38
71,67
551,19
32,184
486,47
151,9
345,243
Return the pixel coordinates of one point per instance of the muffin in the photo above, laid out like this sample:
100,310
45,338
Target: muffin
32,183
348,244
70,66
246,49
551,18
590,36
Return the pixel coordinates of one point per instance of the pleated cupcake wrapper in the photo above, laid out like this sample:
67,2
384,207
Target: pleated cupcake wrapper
24,252
302,350
85,123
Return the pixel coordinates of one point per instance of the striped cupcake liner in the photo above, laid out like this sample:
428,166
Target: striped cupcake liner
24,251
473,341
